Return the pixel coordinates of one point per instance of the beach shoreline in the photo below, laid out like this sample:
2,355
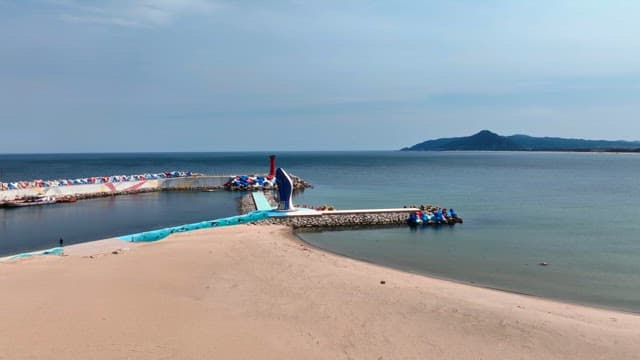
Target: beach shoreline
278,297
464,282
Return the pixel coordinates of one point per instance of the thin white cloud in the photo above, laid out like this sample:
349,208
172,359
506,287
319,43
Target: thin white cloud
148,13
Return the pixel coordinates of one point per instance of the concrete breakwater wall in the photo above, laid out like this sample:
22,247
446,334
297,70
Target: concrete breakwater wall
203,182
85,191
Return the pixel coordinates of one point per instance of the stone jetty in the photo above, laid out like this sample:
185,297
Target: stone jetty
321,219
336,219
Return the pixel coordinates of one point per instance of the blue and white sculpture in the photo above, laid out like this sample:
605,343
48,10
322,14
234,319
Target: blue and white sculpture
285,190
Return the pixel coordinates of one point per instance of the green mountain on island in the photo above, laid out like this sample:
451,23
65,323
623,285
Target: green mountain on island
486,140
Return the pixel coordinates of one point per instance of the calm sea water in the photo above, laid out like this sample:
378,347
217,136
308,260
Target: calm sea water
578,212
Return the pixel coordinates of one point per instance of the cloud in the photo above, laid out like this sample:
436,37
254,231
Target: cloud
148,13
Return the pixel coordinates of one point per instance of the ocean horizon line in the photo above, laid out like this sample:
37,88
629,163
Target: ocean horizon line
199,152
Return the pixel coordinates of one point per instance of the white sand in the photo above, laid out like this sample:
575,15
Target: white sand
255,292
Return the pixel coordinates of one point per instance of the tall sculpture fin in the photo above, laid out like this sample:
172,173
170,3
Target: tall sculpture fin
285,191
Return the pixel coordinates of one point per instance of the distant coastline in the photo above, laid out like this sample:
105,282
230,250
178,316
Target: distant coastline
486,140
585,150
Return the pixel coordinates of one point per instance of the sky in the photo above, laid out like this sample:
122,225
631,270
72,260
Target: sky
198,75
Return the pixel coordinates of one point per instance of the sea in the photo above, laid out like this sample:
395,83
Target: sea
577,212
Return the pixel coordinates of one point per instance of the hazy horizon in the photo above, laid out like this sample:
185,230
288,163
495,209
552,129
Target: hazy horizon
197,75
275,151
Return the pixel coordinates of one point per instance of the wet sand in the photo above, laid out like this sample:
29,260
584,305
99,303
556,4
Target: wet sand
256,292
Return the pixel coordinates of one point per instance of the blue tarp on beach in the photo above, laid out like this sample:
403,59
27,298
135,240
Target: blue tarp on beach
155,235
53,251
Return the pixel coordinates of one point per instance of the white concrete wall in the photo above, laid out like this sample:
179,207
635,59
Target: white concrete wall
117,187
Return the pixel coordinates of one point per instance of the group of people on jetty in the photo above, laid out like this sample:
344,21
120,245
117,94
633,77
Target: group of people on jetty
433,215
91,180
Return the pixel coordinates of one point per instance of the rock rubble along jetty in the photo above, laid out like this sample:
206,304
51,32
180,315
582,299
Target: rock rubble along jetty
336,219
246,204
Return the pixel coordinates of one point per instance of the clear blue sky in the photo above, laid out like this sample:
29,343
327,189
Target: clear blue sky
197,75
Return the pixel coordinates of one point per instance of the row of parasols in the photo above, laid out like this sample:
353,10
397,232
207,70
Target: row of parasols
91,180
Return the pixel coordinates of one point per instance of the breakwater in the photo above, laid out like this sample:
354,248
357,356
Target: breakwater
194,182
310,219
86,191
338,219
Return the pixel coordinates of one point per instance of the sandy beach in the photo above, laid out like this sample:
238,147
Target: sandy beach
256,292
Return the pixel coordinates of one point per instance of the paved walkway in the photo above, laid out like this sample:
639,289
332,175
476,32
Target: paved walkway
261,201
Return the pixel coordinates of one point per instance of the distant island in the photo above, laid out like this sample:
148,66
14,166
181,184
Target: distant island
486,140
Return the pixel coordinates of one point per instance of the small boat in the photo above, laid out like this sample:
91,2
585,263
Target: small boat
66,199
31,201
